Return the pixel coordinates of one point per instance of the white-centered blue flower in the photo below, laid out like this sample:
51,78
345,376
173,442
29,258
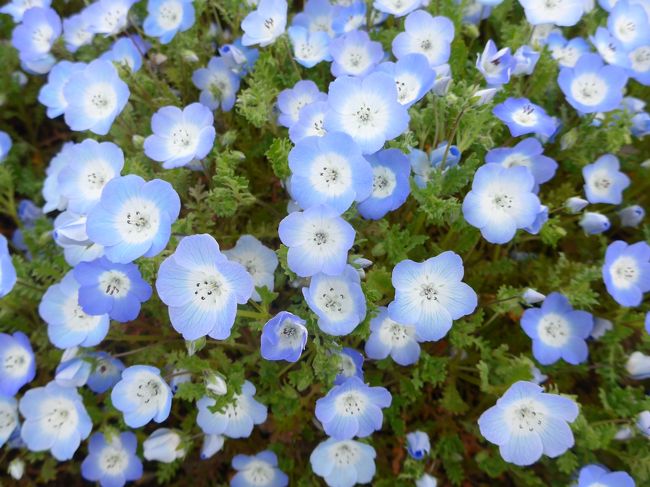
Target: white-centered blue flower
107,17
284,337
9,420
259,260
17,363
387,337
343,463
7,270
70,234
598,476
496,65
316,16
35,35
528,153
413,76
350,364
524,117
265,24
165,18
626,272
609,47
566,51
76,32
398,8
17,8
218,84
259,470
106,371
163,445
559,12
525,61
639,61
604,181
292,100
54,200
142,395
310,122
51,94
418,444
354,54
629,23
112,461
427,35
309,47
390,183
128,52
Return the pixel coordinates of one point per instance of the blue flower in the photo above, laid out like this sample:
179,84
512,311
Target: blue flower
526,422
180,136
347,18
626,272
594,223
127,51
76,32
70,233
9,414
639,66
575,204
526,59
259,470
396,7
591,86
423,165
74,368
413,77
17,362
142,395
604,182
34,37
241,59
350,365
292,100
94,97
51,93
418,444
427,35
367,109
211,445
566,52
354,54
528,153
496,66
631,216
163,446
165,18
387,337
260,262
133,218
238,417
565,13
105,373
112,461
390,185
310,122
5,145
523,117
629,23
316,16
7,269
264,25
598,476
218,84
558,331
202,288
501,201
352,409
343,463
309,48
540,220
338,301
17,8
284,337
430,295
318,240
610,48
55,420
51,191
108,17
67,323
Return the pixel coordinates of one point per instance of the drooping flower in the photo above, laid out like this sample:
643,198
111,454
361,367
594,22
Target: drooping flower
558,331
264,25
142,395
292,100
561,12
309,47
350,365
604,182
390,185
17,363
35,35
527,422
9,420
284,337
163,445
598,476
418,444
259,260
427,35
165,18
354,54
495,65
218,84
626,272
413,76
51,94
387,337
7,269
524,117
528,153
343,463
631,216
202,288
107,17
259,470
112,461
594,223
73,369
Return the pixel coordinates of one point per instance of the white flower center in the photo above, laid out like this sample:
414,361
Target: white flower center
554,330
332,297
525,116
210,288
148,391
517,159
408,87
525,416
355,60
347,367
259,473
42,37
395,334
58,416
75,318
15,362
290,334
183,139
114,283
625,28
170,15
383,182
640,59
589,89
138,220
114,18
330,174
8,419
351,404
344,454
101,100
624,272
113,460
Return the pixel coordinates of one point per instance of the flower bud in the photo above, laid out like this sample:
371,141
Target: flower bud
631,216
593,223
530,296
163,446
638,366
216,384
575,204
16,468
211,445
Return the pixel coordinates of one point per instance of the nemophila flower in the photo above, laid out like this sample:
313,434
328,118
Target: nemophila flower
338,301
495,65
284,337
575,204
601,326
426,35
418,444
430,295
51,93
524,117
531,296
179,376
566,52
218,84
163,446
594,223
68,325
352,409
106,371
318,240
591,86
292,100
501,201
5,145
7,269
350,365
559,12
73,369
525,61
398,8
367,109
240,58
527,422
34,37
112,461
238,417
558,331
108,17
316,16
55,420
259,470
348,17
604,182
76,32
639,63
387,337
260,262
94,97
310,122
528,153
17,8
354,54
9,420
343,463
610,48
51,192
165,18
631,216
423,165
17,362
390,184
309,47
626,272
211,445
70,234
133,218
265,24
629,23
426,481
142,395
202,288
128,52
413,77
215,383
91,166
598,476
638,366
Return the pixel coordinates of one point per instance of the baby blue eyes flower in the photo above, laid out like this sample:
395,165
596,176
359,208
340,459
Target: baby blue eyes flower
591,86
413,77
316,16
9,414
528,153
594,223
67,323
17,8
631,216
350,365
163,446
264,25
338,301
501,201
398,8
526,422
639,61
352,409
310,122
70,233
113,289
7,269
238,417
106,371
610,48
142,395
318,240
526,59
309,48
107,17
598,476
524,117
133,218
202,288
180,136
348,17
343,463
76,32
112,461
55,420
629,23
94,97
564,12
17,363
165,18
558,331
604,182
423,165
430,295
567,52
354,54
51,94
34,37
390,184
218,84
284,337
211,445
367,109
259,470
127,51
418,444
626,272
5,145
292,100
387,337
496,66
260,262
427,35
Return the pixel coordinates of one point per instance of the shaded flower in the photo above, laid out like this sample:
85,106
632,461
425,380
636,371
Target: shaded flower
142,395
